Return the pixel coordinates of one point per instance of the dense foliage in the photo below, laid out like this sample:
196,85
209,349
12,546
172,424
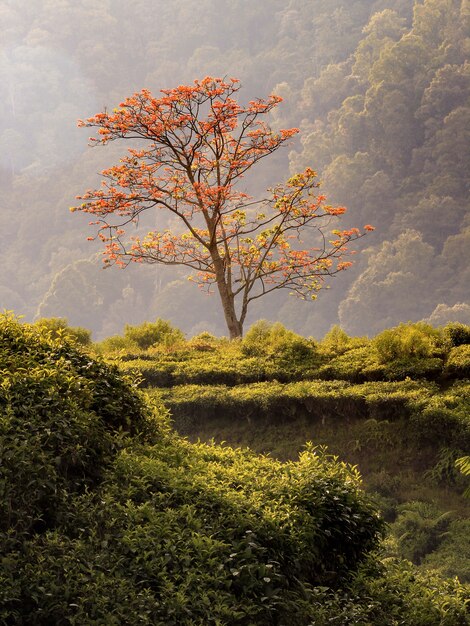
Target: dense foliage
396,405
390,142
271,352
139,526
60,415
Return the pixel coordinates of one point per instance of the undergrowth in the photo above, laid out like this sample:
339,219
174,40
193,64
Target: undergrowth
110,517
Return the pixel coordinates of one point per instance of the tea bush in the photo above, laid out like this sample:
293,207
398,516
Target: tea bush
60,411
205,342
444,420
150,334
336,341
116,343
458,362
271,352
396,593
108,517
277,402
58,327
278,343
408,341
458,334
204,367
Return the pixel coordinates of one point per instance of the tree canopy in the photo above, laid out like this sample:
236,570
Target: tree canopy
190,149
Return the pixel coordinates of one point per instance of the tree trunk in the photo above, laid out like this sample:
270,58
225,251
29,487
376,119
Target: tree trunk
234,325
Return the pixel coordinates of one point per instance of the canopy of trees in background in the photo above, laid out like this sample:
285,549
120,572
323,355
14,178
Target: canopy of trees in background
380,91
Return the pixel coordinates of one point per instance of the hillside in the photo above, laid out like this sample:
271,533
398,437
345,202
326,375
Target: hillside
380,92
395,406
108,516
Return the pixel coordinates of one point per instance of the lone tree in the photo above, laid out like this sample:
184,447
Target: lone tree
191,147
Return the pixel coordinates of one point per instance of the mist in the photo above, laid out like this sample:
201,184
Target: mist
380,91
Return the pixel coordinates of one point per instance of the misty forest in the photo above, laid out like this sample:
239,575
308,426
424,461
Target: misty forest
203,418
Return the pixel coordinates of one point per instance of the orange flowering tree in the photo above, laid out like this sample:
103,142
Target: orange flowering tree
190,148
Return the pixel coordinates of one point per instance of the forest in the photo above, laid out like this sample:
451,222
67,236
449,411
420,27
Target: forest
234,454
379,91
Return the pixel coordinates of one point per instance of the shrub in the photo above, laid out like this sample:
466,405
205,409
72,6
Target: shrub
60,411
452,557
355,365
443,420
458,362
396,593
116,343
313,400
57,328
158,333
408,341
257,338
337,342
420,527
276,342
458,334
204,342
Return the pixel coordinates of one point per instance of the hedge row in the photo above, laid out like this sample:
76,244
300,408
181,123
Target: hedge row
231,367
430,413
271,352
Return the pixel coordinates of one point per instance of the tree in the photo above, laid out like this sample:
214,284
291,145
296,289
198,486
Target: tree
395,285
192,146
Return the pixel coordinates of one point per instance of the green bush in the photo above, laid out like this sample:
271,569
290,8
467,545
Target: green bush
452,557
458,334
205,342
458,362
116,343
337,342
408,341
149,334
443,420
275,341
313,400
356,365
57,328
396,593
270,352
60,411
419,528
409,350
257,339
